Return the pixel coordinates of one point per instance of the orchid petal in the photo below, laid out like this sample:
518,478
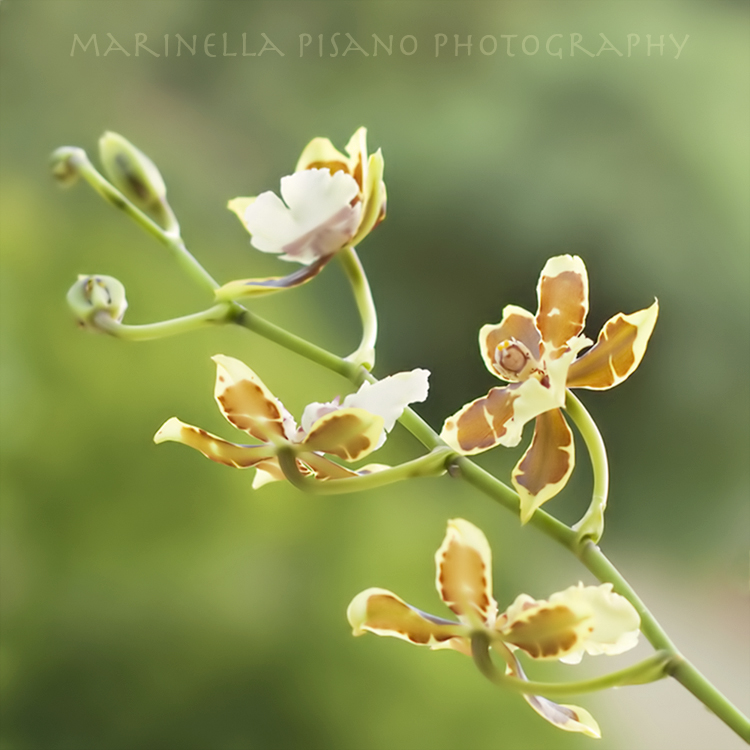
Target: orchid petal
544,630
382,612
320,153
390,396
617,352
238,206
374,198
213,447
483,423
246,402
563,293
563,716
613,621
242,288
350,434
267,472
317,219
518,324
591,619
546,466
464,573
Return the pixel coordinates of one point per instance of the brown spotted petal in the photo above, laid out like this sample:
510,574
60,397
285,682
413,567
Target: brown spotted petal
246,402
617,352
350,434
581,619
483,423
464,573
518,324
547,464
563,293
544,630
563,716
213,447
382,612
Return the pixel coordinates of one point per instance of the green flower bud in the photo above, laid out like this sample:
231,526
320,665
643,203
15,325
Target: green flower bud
136,177
92,297
64,167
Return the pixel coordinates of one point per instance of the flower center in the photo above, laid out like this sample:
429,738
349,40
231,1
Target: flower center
513,360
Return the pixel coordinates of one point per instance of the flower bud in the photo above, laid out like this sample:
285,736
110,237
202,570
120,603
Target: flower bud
136,177
93,296
64,168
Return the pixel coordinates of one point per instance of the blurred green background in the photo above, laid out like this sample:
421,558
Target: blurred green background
150,598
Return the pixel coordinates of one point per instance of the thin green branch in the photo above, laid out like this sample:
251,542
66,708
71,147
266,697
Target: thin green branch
591,526
365,353
217,315
77,161
432,464
655,667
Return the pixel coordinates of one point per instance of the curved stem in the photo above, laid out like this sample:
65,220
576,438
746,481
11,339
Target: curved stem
430,465
655,667
591,526
217,315
79,160
365,353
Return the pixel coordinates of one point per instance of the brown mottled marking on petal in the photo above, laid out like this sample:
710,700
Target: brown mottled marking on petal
247,407
545,633
473,431
483,423
386,613
563,306
222,451
347,433
462,580
609,360
548,459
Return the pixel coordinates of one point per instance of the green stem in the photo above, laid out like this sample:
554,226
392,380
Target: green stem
272,332
430,465
365,353
78,160
656,667
591,526
217,315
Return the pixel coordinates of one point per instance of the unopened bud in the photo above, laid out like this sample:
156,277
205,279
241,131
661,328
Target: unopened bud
64,167
136,177
93,296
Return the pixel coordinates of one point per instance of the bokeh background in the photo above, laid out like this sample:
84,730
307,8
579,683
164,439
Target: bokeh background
150,598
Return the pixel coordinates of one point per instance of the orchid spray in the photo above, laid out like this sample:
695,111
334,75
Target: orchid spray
330,204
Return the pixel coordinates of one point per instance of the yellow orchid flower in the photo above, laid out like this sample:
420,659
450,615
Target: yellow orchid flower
331,201
538,357
590,619
350,430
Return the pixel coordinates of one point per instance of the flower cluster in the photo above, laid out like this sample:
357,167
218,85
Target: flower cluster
581,619
537,355
330,202
350,429
326,207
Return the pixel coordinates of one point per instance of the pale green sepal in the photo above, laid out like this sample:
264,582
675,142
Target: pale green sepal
239,206
137,178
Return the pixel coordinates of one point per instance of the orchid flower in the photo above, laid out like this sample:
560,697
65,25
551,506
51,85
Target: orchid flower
350,429
590,619
538,357
331,201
